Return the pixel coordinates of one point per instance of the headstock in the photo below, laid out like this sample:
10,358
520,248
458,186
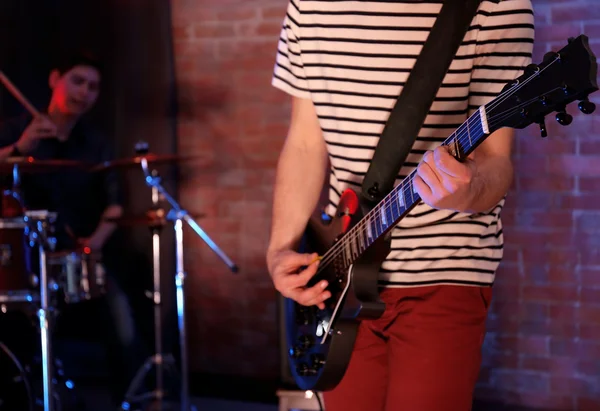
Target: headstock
561,78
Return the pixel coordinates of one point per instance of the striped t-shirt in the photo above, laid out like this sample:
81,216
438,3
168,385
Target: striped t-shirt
352,59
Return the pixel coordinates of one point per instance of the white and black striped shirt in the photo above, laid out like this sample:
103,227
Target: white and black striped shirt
352,59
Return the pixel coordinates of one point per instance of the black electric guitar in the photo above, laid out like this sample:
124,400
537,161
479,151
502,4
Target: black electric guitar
353,246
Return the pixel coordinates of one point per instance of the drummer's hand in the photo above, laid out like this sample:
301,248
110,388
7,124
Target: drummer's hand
40,127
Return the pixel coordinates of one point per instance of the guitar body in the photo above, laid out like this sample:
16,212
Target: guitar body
356,290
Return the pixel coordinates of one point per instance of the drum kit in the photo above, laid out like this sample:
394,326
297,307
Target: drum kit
33,273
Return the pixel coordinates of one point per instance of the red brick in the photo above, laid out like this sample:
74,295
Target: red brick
589,368
237,14
546,146
548,329
591,184
590,257
564,311
587,166
591,295
587,221
558,365
549,255
589,314
530,165
518,380
574,348
212,30
532,200
592,30
550,293
544,219
574,12
573,385
544,183
549,274
584,201
511,254
273,12
589,331
531,345
557,32
270,29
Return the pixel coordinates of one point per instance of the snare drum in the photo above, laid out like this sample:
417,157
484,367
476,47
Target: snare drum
17,279
79,275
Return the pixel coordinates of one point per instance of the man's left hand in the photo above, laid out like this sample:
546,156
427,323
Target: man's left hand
443,182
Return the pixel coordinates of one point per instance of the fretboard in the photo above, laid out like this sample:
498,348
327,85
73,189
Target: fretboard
389,211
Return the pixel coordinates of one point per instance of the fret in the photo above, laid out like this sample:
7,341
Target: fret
347,253
369,230
382,214
377,225
484,120
400,197
361,239
395,210
353,247
469,133
410,189
389,211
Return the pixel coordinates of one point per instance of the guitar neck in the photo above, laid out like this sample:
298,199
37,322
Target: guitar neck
389,211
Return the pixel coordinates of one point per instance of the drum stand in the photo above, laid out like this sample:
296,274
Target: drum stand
38,230
177,215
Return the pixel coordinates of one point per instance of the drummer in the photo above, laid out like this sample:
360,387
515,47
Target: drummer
83,201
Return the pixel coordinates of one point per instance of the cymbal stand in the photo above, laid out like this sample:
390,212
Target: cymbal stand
177,214
158,359
39,224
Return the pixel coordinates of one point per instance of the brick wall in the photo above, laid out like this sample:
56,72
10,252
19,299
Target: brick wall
236,123
544,343
543,346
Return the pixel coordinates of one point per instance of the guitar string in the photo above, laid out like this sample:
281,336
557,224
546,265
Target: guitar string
386,204
458,135
389,201
347,242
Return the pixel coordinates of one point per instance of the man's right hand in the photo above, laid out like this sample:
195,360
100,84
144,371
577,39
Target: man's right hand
288,278
40,127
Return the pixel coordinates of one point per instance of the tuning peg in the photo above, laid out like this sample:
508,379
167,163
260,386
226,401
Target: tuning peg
543,130
586,106
564,118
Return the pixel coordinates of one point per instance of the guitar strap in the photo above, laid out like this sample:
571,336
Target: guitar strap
414,102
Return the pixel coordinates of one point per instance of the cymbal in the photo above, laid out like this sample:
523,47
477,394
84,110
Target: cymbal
150,218
30,164
136,161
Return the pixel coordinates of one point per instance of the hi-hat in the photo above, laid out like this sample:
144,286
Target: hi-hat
136,161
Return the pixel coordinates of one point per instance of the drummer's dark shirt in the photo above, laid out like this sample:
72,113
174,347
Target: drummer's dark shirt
78,196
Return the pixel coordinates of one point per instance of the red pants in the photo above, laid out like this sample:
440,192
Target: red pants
423,354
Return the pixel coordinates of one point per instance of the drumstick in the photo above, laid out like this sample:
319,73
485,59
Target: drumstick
18,95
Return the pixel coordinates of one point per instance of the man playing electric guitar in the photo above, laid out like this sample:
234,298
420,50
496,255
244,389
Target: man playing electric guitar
344,64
